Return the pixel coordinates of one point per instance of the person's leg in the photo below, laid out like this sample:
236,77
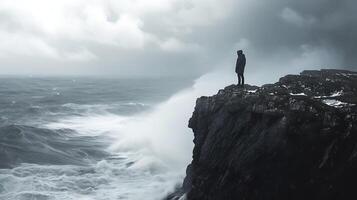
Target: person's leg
242,79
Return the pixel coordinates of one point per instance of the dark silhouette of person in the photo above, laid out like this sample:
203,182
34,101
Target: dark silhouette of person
240,65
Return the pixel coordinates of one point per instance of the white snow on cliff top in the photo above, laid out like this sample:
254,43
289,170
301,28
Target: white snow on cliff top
335,94
252,91
335,103
298,94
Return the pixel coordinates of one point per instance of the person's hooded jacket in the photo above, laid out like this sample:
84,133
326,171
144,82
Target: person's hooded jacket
240,65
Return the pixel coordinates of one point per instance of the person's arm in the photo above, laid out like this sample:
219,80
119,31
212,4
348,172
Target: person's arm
237,64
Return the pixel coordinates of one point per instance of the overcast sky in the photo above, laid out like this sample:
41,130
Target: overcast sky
174,37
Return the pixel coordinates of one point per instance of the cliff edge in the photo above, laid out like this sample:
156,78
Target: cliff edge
295,139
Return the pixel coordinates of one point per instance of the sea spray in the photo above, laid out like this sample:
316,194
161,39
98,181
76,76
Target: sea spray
145,156
151,148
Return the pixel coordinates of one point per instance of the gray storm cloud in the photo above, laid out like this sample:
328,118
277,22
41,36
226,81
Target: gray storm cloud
174,37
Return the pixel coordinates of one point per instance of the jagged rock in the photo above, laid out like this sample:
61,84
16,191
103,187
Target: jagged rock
295,139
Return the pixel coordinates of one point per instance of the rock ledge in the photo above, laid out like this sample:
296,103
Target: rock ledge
295,139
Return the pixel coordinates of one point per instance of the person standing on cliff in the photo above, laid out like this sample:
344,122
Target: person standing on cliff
240,65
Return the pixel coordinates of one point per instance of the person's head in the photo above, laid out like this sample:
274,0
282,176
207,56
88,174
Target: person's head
240,52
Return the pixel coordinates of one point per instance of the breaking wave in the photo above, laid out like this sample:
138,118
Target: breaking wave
101,153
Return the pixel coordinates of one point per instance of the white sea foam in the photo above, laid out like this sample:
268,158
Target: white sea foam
91,125
105,180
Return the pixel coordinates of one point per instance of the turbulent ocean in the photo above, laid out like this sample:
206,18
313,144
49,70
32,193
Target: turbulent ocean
93,138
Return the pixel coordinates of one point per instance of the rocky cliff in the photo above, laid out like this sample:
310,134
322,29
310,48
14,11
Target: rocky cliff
295,139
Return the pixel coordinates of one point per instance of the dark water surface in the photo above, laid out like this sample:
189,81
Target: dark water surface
53,143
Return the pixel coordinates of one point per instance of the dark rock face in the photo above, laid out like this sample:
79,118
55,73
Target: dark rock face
295,139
